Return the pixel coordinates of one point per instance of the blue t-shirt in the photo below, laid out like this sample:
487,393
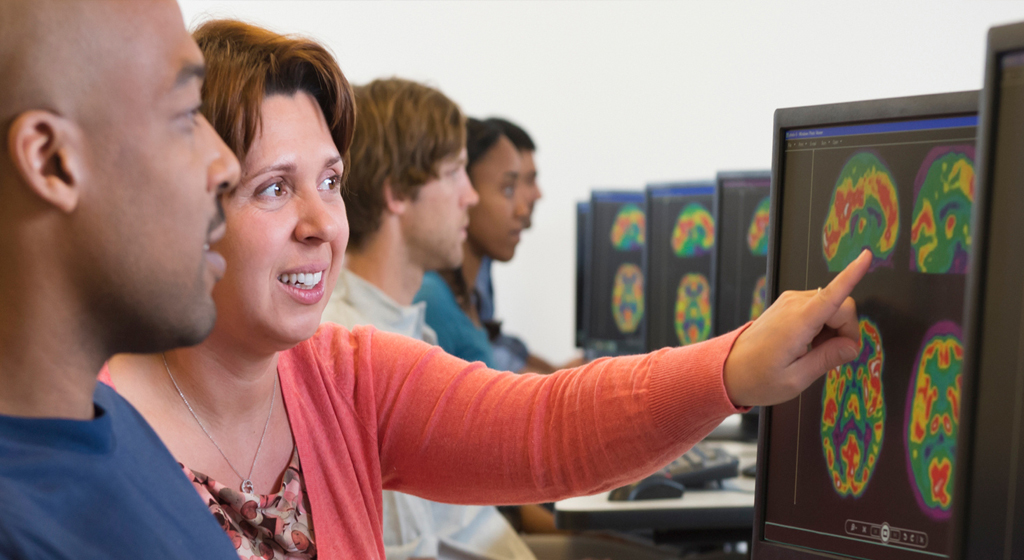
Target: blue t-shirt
456,332
104,488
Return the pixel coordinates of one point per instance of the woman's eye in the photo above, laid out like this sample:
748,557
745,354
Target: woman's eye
508,191
191,117
274,190
331,183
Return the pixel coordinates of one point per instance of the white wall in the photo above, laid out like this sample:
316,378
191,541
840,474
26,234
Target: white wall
623,93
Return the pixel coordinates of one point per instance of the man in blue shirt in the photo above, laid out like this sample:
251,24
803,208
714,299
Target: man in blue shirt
510,353
108,181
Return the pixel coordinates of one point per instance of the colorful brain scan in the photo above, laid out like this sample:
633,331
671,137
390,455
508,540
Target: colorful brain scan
933,418
628,298
853,415
693,309
757,233
864,213
694,233
940,232
628,229
760,299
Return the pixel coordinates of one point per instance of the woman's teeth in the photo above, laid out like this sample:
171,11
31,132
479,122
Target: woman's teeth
302,280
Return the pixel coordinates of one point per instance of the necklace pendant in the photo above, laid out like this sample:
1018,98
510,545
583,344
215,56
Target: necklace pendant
247,486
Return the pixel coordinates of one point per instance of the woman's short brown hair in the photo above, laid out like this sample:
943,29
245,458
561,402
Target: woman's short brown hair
403,132
245,64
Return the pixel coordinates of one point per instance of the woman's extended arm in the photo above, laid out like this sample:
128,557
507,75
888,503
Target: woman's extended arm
458,432
452,431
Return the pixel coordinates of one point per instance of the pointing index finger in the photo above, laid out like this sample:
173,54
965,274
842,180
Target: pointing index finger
843,284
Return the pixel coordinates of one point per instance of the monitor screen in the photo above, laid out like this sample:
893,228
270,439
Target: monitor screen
741,287
862,464
992,477
680,263
615,280
582,214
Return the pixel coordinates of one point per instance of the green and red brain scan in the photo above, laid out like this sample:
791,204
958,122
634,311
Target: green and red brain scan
759,301
933,418
853,415
694,233
628,229
757,233
940,232
628,298
693,309
863,213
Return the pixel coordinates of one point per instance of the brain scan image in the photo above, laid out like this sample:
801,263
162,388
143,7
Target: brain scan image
933,418
757,233
628,298
853,415
760,298
693,309
940,232
863,213
628,228
694,233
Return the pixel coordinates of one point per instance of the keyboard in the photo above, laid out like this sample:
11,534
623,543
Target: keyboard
697,468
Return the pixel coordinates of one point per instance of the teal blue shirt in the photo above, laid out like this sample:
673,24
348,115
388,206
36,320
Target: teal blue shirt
456,333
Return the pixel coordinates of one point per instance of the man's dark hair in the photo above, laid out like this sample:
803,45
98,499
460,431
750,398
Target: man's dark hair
481,136
520,139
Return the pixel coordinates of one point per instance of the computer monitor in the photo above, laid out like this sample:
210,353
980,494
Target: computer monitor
741,287
614,279
988,514
862,464
679,261
582,245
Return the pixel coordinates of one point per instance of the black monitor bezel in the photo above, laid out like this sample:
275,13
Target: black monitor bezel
582,272
648,343
968,543
880,110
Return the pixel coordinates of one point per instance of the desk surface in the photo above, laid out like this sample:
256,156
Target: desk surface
731,507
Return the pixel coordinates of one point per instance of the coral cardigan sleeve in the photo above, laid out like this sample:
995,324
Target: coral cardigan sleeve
453,431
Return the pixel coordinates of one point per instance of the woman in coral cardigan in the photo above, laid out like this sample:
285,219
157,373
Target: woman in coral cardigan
290,433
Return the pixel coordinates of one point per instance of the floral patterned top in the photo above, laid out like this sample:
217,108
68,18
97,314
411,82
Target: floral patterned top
273,526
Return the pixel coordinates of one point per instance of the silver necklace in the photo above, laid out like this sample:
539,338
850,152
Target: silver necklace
246,480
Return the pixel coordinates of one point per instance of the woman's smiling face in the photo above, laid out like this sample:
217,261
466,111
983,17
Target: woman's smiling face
286,229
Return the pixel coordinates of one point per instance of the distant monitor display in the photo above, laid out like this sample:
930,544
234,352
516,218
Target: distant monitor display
744,204
681,252
616,300
863,463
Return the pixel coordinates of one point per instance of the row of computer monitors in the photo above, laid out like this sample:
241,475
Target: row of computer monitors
673,265
913,450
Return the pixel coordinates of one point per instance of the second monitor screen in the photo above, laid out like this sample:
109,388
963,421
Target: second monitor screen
742,249
616,293
681,264
862,464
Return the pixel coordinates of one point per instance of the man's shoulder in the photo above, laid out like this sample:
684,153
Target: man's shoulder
114,463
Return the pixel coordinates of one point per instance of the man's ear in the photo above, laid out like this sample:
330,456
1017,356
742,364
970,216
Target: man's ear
394,204
47,152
